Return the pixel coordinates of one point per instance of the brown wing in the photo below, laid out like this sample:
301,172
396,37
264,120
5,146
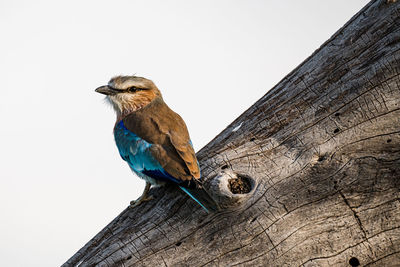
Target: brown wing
179,138
166,130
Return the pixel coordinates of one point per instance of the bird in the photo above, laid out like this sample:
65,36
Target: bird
153,139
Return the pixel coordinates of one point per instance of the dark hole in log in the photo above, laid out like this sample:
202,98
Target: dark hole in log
354,261
336,130
178,243
224,167
389,140
253,220
337,114
240,185
335,184
252,139
129,257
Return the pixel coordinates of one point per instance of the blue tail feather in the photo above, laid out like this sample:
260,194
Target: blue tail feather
195,199
201,196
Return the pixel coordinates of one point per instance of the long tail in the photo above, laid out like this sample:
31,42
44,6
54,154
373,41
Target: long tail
202,198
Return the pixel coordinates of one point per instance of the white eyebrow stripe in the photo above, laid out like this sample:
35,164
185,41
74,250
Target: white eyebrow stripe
127,84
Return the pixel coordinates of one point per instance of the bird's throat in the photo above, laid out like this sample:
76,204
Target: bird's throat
125,104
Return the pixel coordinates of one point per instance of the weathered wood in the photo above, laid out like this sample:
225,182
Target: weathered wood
322,149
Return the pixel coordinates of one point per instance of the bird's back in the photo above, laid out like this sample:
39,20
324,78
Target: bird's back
156,138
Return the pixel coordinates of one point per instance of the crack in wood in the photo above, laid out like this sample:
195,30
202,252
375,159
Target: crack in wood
355,215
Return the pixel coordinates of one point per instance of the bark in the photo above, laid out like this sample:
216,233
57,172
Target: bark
320,153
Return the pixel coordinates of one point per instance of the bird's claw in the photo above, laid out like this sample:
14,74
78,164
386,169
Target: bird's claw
139,201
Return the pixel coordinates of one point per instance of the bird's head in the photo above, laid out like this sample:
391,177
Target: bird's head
129,93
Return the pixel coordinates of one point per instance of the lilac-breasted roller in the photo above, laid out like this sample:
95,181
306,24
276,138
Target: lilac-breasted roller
153,139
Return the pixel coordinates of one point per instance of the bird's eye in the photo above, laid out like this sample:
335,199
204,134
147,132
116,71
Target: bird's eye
133,89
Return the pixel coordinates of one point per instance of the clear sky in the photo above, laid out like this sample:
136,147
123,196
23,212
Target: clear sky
62,179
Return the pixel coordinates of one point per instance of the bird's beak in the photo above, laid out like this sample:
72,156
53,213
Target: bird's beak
106,90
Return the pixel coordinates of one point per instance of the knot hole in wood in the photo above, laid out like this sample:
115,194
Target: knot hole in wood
231,189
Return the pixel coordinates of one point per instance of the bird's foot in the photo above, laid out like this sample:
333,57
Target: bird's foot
139,201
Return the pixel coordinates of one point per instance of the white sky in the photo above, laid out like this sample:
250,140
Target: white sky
62,179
